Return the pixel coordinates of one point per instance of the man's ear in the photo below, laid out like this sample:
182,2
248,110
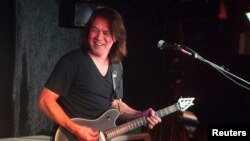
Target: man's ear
114,38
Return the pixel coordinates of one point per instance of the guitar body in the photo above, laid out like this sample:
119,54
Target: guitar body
105,121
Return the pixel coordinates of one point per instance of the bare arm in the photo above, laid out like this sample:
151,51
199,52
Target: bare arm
48,105
127,113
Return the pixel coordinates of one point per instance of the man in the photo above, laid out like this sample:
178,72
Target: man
82,85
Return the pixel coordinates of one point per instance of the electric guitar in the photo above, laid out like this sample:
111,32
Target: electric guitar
106,122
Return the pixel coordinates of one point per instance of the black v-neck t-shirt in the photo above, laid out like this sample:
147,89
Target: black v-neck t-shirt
83,91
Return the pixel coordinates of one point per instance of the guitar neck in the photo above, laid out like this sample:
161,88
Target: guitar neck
136,123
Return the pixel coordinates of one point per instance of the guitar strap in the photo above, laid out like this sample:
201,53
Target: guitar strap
117,72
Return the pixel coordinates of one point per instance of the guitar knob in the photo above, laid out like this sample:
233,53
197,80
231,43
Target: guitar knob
108,118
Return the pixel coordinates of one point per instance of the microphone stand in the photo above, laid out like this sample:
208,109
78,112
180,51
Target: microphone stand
222,70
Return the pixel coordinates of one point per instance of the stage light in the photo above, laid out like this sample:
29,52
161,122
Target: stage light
82,14
247,13
248,16
74,15
222,11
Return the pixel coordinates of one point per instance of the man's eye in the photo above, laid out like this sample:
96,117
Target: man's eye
93,29
107,33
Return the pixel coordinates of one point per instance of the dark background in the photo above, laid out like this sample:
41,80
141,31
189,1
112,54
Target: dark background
34,36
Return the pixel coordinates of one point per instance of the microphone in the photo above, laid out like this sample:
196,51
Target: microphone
162,45
173,46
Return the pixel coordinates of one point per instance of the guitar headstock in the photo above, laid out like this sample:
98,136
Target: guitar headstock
184,103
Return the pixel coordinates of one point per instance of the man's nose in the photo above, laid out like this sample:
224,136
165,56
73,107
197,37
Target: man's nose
99,35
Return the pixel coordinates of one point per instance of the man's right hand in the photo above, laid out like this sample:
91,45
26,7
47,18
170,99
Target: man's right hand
83,133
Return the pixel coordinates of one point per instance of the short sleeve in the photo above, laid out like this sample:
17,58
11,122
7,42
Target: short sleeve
62,77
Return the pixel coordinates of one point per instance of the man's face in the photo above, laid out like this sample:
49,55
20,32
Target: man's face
100,37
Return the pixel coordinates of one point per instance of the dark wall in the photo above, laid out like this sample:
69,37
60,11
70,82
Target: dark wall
152,75
31,43
7,51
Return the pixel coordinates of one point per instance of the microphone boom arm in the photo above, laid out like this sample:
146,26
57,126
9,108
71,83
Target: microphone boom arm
221,69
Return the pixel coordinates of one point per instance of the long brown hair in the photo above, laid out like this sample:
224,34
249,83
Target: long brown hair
118,30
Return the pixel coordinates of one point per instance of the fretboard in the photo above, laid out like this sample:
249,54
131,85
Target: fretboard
136,123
